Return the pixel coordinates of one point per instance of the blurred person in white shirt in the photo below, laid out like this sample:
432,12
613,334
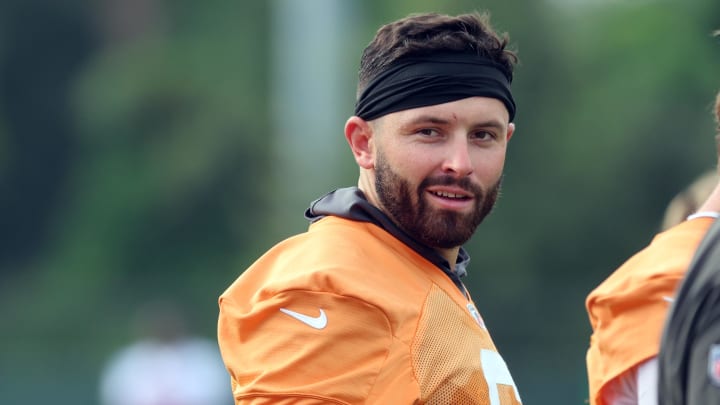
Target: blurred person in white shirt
166,365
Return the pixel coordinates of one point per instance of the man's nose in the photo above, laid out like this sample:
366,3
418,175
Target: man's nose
457,160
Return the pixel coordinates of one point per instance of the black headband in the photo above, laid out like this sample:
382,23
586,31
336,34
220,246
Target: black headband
435,79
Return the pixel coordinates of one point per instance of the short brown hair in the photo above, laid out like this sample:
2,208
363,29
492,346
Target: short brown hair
422,34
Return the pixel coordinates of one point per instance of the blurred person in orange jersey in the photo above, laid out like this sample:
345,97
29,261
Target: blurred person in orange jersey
368,306
628,310
166,365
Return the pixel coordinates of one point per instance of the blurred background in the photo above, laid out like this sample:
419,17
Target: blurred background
150,150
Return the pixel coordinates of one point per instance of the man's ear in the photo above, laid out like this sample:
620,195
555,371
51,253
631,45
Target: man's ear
510,131
359,135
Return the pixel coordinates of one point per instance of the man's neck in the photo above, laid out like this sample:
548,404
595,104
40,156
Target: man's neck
450,255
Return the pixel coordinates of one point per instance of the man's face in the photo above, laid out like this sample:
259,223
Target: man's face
438,169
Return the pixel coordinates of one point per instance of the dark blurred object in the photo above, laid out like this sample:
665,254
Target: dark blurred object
44,45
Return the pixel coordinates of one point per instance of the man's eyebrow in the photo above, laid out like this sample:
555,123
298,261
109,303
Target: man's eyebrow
428,119
432,119
489,123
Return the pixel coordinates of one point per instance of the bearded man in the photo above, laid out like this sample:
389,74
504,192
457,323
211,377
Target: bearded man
368,306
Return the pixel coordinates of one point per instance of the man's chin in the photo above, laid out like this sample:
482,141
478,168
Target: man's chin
451,230
451,216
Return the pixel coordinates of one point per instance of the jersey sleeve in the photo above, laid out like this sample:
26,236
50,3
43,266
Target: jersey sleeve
302,347
627,311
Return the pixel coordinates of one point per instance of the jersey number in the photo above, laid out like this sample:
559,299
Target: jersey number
498,376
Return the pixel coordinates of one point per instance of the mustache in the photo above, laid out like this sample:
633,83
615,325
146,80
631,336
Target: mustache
463,183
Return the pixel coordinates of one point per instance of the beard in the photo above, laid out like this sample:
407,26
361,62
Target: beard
433,227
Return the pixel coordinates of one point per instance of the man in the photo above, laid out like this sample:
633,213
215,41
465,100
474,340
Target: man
628,310
368,305
689,359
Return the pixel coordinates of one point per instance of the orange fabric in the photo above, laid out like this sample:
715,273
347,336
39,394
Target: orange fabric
627,311
397,330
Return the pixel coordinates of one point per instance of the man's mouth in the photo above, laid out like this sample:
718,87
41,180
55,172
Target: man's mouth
452,196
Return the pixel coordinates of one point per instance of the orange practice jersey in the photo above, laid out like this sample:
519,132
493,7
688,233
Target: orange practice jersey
347,314
627,311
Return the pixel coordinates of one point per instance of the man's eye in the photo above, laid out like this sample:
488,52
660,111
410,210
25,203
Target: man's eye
483,135
428,132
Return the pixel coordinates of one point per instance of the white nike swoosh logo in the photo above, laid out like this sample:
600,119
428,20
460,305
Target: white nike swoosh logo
318,322
668,299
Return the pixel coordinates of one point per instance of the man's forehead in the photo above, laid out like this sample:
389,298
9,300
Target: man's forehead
472,108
